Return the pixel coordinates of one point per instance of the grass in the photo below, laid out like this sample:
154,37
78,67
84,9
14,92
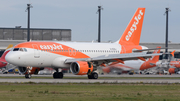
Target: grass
89,92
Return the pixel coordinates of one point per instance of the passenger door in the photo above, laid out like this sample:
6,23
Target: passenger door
36,51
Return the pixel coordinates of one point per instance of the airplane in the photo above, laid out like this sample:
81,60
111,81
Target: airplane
131,65
82,58
3,62
174,63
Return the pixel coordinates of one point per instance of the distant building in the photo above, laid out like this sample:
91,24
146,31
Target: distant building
19,33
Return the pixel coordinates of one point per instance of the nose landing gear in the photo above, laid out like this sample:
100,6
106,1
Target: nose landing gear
27,76
57,74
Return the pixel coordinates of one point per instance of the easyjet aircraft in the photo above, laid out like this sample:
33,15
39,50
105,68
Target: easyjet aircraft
130,65
174,63
82,58
3,62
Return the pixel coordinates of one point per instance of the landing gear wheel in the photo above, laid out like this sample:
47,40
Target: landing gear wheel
58,75
93,75
55,75
89,76
27,76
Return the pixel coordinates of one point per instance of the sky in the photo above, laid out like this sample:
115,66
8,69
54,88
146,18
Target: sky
81,17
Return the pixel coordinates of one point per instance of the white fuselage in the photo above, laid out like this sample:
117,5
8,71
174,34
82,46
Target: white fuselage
52,56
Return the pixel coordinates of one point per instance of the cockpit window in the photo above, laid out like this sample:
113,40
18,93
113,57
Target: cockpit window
25,49
16,49
20,49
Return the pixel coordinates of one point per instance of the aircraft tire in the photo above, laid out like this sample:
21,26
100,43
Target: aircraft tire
89,76
27,76
55,75
94,75
58,75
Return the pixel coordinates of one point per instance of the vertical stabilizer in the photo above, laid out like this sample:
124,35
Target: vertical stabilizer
9,46
155,59
131,35
151,61
6,51
172,53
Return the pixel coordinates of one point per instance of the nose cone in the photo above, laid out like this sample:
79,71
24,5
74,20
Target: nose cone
10,57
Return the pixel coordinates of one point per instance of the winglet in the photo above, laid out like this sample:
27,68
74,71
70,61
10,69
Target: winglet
131,35
9,46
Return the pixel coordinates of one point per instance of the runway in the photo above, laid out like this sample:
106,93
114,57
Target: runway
130,79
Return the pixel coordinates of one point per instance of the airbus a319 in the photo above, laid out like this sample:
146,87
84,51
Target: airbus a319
82,58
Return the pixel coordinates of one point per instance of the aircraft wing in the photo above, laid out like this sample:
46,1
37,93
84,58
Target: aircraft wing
114,57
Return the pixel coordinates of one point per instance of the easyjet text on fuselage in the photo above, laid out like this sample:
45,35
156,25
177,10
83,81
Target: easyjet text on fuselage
54,46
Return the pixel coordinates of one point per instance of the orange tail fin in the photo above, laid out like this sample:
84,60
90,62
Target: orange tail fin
172,53
155,59
152,61
131,35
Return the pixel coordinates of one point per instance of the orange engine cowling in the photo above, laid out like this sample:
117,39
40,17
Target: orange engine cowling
172,70
31,70
81,67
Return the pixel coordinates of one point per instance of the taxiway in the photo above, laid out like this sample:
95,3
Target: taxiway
160,79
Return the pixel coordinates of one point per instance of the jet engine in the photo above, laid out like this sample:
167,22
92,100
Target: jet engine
29,70
81,67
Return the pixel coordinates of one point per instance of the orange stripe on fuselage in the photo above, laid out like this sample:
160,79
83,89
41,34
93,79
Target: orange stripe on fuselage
53,47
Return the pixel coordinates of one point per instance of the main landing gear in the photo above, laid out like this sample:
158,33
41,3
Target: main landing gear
93,75
27,76
57,74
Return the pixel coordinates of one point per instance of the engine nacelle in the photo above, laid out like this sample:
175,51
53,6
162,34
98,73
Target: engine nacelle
31,70
172,70
81,67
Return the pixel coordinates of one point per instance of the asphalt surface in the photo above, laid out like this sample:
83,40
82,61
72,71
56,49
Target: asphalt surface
163,79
